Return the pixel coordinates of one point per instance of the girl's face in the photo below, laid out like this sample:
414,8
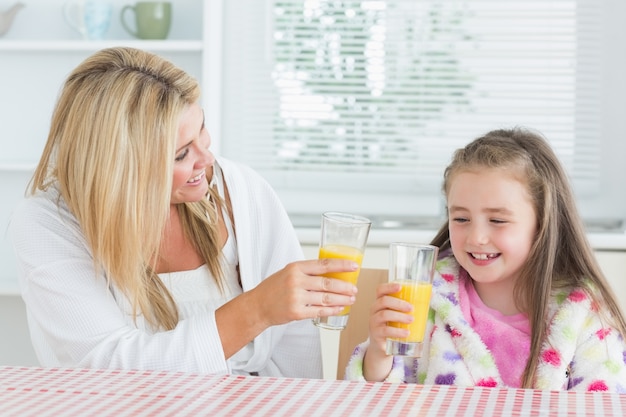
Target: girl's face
492,225
193,159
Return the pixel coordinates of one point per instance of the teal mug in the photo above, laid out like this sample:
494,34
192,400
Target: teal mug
152,19
91,18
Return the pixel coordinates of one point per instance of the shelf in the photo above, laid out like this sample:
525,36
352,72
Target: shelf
86,46
17,167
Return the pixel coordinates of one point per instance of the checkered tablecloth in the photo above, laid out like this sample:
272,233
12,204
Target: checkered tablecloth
96,392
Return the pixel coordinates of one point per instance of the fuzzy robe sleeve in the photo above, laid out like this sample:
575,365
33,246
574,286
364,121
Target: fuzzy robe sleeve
582,352
354,370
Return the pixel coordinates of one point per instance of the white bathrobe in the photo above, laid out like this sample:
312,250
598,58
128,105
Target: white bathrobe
76,321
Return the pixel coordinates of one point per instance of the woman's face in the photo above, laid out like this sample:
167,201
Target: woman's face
193,159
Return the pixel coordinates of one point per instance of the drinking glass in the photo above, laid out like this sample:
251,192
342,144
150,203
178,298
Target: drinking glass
344,236
413,266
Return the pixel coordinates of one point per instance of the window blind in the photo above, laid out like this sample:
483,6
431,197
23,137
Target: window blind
358,105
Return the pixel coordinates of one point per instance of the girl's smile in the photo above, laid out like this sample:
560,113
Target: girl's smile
483,258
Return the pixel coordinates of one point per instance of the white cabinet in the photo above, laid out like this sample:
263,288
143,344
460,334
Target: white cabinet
37,54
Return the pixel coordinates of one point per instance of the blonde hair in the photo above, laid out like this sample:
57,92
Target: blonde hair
561,254
110,152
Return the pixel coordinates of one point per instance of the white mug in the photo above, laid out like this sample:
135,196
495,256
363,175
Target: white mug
91,18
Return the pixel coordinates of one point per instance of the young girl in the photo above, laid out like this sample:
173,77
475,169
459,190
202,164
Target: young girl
519,299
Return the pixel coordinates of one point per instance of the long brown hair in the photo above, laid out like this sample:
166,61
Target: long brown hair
561,254
110,152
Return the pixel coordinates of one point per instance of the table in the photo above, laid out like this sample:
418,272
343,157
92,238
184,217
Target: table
96,392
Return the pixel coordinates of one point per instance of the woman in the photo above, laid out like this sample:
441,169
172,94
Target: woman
137,249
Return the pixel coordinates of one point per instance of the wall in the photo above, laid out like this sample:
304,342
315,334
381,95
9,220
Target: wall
15,348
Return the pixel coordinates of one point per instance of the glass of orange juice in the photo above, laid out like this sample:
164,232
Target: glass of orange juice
413,266
344,236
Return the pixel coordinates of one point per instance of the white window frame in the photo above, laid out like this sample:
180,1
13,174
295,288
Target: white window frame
424,200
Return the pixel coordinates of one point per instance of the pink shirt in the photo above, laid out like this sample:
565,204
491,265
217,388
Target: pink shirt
506,337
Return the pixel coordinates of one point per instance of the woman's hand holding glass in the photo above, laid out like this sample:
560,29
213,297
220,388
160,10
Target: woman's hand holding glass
299,291
296,292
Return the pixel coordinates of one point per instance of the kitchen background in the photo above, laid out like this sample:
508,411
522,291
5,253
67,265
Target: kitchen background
352,105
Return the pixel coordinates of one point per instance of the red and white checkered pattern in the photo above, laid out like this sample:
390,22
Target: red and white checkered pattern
97,392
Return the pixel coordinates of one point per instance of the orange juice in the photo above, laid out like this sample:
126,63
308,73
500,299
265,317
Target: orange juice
418,294
342,252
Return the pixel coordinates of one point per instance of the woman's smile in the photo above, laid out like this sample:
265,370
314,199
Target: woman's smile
197,178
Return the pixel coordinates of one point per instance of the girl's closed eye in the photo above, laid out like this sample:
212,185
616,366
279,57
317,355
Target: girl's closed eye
182,155
498,221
